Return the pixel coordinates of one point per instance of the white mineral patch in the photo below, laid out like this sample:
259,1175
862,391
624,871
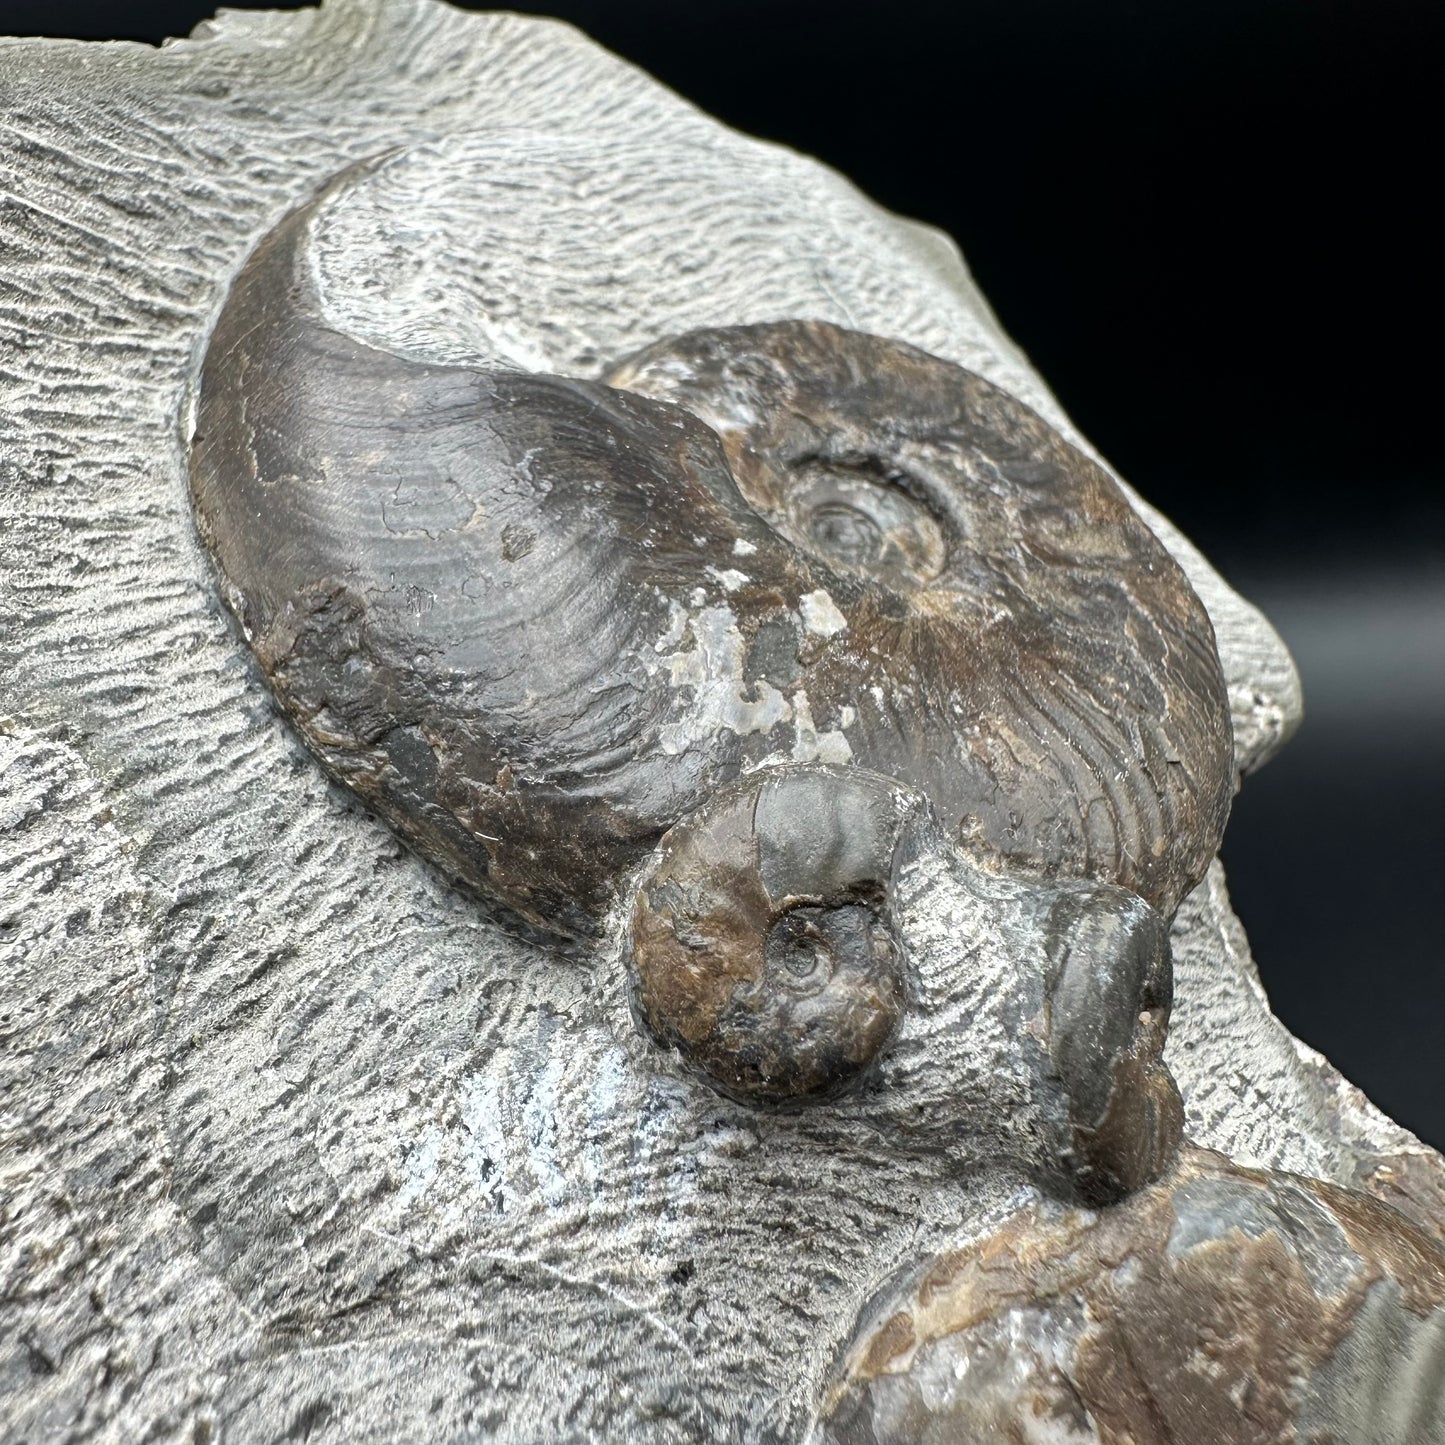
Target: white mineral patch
487,1128
821,616
539,1121
677,616
811,746
712,672
420,1166
730,579
602,1111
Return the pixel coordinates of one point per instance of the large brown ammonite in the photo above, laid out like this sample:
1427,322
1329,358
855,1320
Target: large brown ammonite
535,620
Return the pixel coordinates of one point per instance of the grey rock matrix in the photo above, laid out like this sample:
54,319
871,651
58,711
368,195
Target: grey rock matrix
298,1141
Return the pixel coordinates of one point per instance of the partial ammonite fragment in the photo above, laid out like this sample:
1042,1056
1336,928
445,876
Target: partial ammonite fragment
1223,1305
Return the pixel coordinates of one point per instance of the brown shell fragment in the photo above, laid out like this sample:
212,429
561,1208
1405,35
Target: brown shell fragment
1110,991
1227,1305
762,944
1411,1180
535,620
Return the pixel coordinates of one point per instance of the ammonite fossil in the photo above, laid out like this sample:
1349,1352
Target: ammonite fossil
536,620
844,736
767,945
761,937
1228,1305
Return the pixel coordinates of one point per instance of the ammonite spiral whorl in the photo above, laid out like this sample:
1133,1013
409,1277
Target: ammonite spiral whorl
1110,988
1018,646
762,941
1224,1305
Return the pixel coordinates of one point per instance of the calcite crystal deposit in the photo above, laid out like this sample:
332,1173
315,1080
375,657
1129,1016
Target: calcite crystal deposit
607,819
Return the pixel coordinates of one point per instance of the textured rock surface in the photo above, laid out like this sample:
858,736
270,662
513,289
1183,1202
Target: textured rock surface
296,1143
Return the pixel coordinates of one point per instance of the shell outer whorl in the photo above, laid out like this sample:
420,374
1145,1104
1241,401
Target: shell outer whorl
534,621
1020,647
762,944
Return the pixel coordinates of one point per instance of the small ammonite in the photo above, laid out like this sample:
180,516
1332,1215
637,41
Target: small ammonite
766,945
536,620
762,942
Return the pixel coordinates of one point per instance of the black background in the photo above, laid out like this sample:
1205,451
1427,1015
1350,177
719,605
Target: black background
1211,224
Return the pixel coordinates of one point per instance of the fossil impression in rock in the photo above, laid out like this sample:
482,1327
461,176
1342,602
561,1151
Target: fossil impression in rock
764,972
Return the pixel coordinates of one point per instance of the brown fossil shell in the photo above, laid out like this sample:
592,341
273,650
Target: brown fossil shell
535,620
1224,1305
1019,647
1110,992
762,944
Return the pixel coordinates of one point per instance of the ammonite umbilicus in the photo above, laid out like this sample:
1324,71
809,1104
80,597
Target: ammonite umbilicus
535,620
